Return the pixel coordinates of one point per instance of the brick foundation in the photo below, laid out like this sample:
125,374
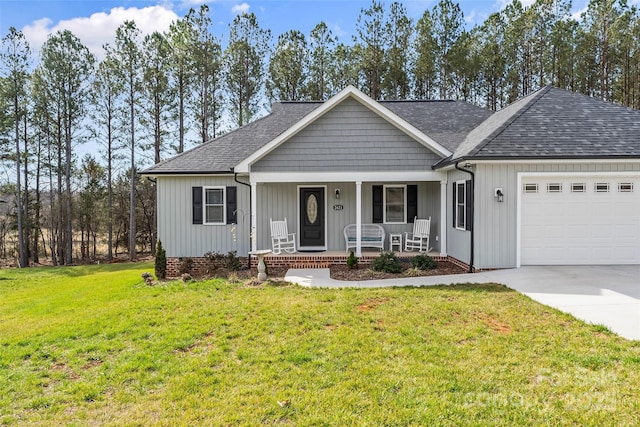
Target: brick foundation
198,268
199,265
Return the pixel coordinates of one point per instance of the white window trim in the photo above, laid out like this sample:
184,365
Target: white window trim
384,202
224,205
464,204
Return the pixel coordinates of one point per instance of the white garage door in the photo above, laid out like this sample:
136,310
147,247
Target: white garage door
580,220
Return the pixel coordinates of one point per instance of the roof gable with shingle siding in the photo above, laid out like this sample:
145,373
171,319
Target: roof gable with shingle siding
349,137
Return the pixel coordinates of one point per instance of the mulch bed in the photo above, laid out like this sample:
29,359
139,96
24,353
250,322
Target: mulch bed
342,272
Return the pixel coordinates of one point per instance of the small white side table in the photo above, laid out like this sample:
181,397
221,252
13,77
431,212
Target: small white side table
262,276
395,240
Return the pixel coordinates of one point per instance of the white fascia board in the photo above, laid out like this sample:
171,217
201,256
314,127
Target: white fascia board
349,91
319,177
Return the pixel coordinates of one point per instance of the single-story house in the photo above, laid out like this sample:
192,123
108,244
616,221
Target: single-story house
553,178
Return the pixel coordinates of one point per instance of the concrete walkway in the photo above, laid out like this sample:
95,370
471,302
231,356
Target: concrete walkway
606,295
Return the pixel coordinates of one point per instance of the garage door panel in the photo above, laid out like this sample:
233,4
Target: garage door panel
587,227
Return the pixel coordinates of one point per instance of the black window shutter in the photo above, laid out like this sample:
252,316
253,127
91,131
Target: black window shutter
196,202
232,205
468,204
455,205
412,202
378,205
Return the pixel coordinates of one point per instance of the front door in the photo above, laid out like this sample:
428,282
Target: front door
312,220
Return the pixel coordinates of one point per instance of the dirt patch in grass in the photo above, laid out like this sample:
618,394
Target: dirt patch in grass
495,324
91,364
372,303
342,272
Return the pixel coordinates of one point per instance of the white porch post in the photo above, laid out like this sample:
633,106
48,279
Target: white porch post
254,216
358,218
443,218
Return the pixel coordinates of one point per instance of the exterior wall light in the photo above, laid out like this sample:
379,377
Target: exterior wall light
337,193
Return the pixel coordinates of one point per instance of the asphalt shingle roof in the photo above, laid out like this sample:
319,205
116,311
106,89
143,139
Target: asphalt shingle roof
554,123
446,122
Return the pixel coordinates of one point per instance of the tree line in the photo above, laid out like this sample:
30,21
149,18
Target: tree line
151,97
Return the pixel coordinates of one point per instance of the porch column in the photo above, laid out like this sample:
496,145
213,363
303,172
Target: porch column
358,218
254,216
443,218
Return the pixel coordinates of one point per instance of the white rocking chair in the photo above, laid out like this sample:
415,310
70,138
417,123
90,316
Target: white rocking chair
419,239
281,239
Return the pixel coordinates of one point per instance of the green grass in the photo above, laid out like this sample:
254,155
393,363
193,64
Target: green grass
94,345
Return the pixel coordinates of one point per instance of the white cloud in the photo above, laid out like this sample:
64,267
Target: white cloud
338,31
239,9
100,28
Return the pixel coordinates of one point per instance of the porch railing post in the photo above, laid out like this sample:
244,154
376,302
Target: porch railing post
358,218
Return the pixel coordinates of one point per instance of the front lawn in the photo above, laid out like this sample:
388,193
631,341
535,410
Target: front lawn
94,345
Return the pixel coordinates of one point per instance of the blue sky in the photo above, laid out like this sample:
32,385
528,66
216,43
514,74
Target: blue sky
95,21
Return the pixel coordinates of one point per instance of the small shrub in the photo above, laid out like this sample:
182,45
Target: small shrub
232,262
186,277
423,262
215,261
161,262
148,278
185,266
352,261
387,262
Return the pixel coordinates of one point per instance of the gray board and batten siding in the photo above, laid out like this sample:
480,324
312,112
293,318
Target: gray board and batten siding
349,137
180,237
458,241
496,223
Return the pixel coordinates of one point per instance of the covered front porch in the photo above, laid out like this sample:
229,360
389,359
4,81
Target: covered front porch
319,205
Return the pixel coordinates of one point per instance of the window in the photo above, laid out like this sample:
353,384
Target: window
554,188
578,187
530,188
601,187
214,210
625,187
395,204
461,205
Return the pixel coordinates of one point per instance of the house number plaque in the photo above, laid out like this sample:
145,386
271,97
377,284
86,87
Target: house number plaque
338,207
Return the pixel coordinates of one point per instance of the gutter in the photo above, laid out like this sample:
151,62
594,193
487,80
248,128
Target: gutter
235,178
471,223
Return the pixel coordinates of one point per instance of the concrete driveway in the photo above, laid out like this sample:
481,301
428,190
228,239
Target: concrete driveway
606,295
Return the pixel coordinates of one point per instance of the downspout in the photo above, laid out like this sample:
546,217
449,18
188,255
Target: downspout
472,209
235,178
